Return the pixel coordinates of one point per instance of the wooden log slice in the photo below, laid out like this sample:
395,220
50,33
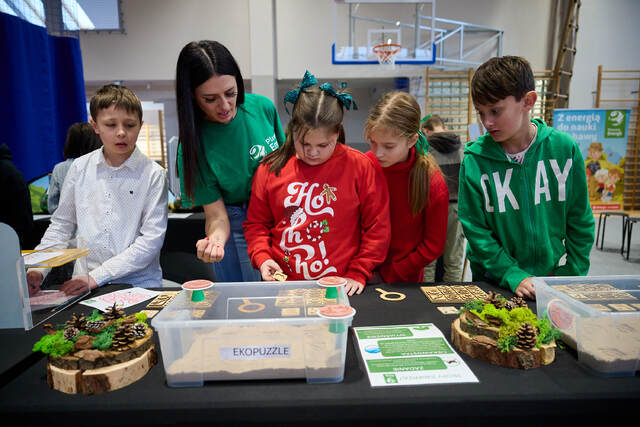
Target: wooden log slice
473,325
95,381
484,348
94,359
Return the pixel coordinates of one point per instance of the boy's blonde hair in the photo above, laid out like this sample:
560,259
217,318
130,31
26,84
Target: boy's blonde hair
119,95
399,112
314,109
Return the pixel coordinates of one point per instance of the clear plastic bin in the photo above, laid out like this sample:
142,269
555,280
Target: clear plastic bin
599,317
253,330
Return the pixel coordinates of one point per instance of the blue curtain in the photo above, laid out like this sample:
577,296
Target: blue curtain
41,93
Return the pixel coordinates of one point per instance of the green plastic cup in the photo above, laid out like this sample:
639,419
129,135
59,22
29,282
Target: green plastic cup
331,292
336,326
197,295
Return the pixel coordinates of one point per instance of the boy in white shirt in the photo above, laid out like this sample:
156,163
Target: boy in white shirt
115,198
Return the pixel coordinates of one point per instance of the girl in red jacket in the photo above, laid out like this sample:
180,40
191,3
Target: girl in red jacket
318,207
419,197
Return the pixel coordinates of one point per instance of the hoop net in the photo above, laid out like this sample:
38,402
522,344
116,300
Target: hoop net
387,53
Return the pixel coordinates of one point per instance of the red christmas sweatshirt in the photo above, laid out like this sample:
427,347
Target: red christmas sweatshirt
418,240
329,219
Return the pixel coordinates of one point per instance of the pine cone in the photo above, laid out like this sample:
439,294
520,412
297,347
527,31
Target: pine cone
96,326
123,337
139,330
519,302
496,299
114,313
510,305
70,333
527,337
77,321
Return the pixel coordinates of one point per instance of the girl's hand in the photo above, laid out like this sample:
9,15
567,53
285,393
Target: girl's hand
268,268
353,287
209,250
526,289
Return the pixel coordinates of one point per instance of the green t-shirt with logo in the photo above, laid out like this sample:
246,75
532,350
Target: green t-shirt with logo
233,152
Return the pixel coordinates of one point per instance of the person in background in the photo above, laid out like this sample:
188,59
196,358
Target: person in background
15,200
223,136
417,191
81,139
447,149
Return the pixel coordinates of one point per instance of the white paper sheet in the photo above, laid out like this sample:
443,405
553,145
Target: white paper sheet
123,298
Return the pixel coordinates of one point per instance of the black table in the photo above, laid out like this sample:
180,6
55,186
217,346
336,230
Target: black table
561,392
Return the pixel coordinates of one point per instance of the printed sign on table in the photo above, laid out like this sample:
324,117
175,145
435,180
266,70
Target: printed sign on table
602,136
410,355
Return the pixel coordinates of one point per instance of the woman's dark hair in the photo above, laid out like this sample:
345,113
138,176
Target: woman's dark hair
314,109
197,63
81,139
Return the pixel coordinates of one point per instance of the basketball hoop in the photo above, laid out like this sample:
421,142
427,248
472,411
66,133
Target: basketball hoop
387,53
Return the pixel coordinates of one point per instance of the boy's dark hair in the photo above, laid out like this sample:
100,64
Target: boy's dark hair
197,63
81,139
432,122
119,95
501,77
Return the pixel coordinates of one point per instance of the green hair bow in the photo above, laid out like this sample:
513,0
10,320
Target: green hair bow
424,119
309,80
422,145
344,98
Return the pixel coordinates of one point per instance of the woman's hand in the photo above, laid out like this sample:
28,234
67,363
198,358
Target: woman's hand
353,287
216,228
209,250
268,268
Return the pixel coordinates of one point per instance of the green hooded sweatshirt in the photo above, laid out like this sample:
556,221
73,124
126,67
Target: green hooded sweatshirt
520,220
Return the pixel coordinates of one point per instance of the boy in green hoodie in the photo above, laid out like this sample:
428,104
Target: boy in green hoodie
523,200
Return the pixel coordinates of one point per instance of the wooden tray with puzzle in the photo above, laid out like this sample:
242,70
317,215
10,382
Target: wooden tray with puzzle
453,293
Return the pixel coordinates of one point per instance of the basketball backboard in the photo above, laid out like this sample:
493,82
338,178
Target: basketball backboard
360,26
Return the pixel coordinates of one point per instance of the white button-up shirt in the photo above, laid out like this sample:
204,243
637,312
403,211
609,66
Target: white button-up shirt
119,212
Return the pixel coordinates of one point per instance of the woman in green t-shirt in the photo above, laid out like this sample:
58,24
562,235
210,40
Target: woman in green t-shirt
224,134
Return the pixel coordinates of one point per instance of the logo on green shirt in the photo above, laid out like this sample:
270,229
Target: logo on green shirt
257,152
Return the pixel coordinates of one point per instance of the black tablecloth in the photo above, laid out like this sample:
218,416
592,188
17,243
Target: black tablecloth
563,390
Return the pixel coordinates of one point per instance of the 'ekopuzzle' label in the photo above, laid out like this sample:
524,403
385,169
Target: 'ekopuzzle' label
255,352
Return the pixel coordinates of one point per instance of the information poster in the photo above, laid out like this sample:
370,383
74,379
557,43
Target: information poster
410,355
602,136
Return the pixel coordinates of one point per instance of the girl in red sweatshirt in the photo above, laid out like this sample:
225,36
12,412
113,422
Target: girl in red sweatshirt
318,207
419,197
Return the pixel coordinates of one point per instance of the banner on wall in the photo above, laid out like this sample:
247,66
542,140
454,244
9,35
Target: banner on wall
602,136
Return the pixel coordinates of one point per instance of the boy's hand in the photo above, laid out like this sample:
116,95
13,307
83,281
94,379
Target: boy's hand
210,250
353,287
34,279
526,289
268,268
78,285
